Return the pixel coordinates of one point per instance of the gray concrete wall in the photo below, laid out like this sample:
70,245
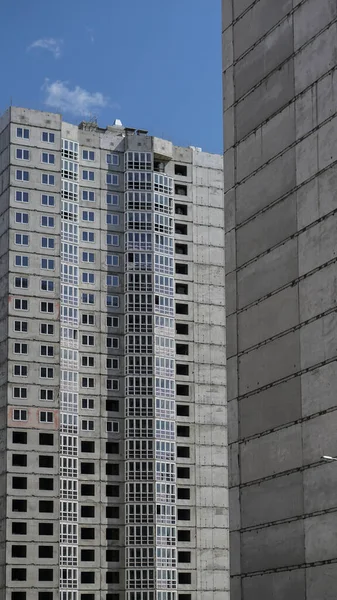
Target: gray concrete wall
279,75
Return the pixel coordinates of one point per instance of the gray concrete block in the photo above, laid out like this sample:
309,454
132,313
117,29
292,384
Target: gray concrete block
319,389
268,363
317,293
320,486
271,408
319,438
321,582
230,291
273,453
306,158
317,245
231,336
229,203
234,509
273,547
317,198
273,50
273,500
323,332
269,97
235,552
232,378
268,318
288,585
233,421
315,59
267,274
239,6
267,185
320,537
310,18
227,13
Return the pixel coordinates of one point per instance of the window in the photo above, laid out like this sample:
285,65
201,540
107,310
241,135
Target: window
112,427
45,551
88,382
88,257
88,196
112,159
88,319
47,200
21,196
47,285
47,328
22,154
46,506
112,363
19,551
19,574
46,372
88,403
21,282
112,342
48,263
88,361
112,240
112,219
19,460
180,229
46,439
20,304
88,155
20,392
19,414
112,199
112,405
88,175
88,277
46,462
19,483
19,437
88,215
180,170
22,133
112,322
20,370
88,236
112,384
87,512
47,179
46,483
21,175
47,307
183,431
48,242
87,489
21,261
112,179
112,260
47,221
21,217
47,136
46,394
45,574
21,326
88,298
182,390
19,505
48,158
46,528
46,416
112,280
21,239
112,301
47,351
183,410
20,348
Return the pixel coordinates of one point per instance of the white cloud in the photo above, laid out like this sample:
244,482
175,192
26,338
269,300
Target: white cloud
51,44
75,101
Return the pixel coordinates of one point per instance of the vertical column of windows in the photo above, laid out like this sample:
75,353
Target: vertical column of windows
69,374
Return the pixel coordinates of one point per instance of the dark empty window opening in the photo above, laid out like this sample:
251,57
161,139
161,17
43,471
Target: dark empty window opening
46,595
87,533
182,288
88,447
112,533
184,596
183,390
184,535
19,551
183,472
112,491
180,228
183,452
87,596
112,577
181,309
184,578
158,166
18,596
183,410
19,437
181,209
87,512
181,249
112,469
19,528
180,170
87,489
182,369
183,431
46,552
19,460
112,448
112,406
46,483
112,556
182,328
180,190
112,512
46,506
87,577
46,528
19,483
46,574
19,505
182,349
183,493
46,439
19,574
88,555
46,462
184,514
181,268
87,468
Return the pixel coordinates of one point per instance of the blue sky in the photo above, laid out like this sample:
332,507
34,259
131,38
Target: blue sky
155,64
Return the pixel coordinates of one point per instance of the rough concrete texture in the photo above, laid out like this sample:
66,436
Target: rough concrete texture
280,127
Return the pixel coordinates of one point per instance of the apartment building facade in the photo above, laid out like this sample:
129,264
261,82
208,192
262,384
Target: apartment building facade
113,404
279,73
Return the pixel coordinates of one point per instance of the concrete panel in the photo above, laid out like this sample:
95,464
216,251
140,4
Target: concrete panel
270,362
310,18
263,144
273,500
320,537
268,98
233,421
240,6
273,547
273,50
268,273
323,331
315,59
317,293
235,553
317,198
319,438
230,291
264,15
234,509
232,378
306,158
276,586
327,153
272,182
321,582
274,453
227,13
317,245
319,389
271,408
306,112
268,318
320,487
231,336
